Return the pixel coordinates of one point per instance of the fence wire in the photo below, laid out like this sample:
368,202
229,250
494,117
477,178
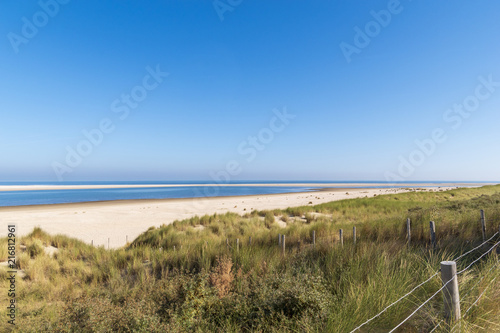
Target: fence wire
477,247
481,295
440,289
430,278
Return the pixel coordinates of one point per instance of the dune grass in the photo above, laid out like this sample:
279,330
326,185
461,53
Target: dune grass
184,277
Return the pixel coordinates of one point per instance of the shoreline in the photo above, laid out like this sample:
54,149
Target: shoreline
122,220
12,188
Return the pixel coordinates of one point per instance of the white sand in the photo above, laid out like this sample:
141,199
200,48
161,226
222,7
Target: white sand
117,220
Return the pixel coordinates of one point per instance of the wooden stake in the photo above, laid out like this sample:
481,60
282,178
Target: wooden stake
433,233
341,237
283,244
450,292
314,238
354,235
483,225
408,231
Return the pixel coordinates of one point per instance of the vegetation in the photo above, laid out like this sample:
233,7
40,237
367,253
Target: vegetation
205,285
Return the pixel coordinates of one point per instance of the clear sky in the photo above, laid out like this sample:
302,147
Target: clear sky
255,90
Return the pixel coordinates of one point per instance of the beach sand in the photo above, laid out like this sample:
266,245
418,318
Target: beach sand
126,219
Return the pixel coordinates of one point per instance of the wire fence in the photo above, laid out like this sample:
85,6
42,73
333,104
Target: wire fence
444,286
423,283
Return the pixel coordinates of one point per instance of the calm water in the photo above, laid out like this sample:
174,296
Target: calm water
21,198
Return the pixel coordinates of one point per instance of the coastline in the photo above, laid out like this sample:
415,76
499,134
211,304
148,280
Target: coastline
10,188
126,219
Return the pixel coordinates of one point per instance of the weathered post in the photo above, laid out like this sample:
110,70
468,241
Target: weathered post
408,231
450,291
354,235
483,225
341,237
279,239
314,238
433,234
283,244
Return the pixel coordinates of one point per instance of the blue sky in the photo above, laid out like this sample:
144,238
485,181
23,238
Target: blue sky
66,66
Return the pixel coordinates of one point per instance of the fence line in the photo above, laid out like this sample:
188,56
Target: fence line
478,282
430,278
472,263
440,289
394,303
477,247
481,295
422,305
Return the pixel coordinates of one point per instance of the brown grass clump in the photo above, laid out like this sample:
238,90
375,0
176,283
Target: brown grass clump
221,277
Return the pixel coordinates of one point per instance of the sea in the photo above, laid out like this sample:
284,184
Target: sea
45,197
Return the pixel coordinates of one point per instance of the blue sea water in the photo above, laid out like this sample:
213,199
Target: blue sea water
43,197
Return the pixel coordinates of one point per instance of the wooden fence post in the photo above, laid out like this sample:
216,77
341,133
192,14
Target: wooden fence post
314,238
283,244
408,231
354,235
433,233
450,292
341,236
92,243
483,225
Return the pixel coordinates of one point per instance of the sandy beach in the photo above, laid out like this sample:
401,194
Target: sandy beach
126,219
